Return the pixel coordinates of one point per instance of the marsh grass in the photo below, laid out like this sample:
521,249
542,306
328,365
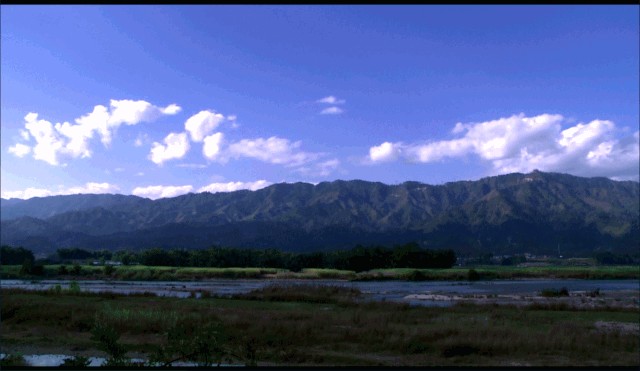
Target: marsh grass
302,293
160,273
302,325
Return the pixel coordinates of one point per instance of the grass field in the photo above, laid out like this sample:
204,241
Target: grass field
507,272
299,325
159,273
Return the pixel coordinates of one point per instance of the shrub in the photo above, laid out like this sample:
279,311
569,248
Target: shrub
473,275
416,275
27,267
62,270
13,360
551,293
107,338
76,362
74,287
108,270
76,270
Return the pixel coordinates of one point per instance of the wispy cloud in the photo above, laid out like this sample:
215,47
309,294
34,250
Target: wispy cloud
141,139
192,166
331,100
320,169
331,111
522,144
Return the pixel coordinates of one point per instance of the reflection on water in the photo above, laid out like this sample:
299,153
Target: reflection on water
55,360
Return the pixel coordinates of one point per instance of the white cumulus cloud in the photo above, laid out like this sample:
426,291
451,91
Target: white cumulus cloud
91,188
212,146
387,151
88,188
202,123
154,192
20,150
234,186
73,140
27,193
175,146
272,150
522,144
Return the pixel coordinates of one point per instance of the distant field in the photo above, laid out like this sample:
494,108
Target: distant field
320,326
160,273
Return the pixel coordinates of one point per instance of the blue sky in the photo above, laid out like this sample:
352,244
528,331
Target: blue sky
159,101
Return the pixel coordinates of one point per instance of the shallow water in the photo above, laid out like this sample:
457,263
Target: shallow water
55,360
373,290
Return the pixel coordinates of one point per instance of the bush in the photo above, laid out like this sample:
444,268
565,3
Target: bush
12,360
62,270
416,275
76,270
551,293
107,337
473,275
76,362
74,287
108,270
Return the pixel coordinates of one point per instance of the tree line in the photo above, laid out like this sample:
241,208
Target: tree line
359,258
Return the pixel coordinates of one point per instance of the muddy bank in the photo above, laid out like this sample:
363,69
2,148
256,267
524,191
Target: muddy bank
629,299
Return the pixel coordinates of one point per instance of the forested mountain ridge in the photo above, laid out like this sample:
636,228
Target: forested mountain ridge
507,213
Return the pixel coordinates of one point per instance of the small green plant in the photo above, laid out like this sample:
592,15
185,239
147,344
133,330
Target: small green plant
74,287
107,337
57,289
203,344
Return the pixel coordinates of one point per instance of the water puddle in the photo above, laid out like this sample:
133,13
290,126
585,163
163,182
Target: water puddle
55,360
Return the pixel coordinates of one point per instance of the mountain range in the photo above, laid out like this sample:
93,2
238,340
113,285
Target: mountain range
538,212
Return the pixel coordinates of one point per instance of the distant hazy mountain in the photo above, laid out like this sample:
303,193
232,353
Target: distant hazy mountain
536,212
